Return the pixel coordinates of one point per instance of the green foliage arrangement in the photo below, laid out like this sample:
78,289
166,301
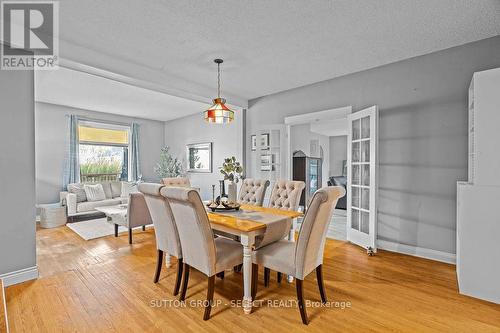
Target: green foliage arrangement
231,169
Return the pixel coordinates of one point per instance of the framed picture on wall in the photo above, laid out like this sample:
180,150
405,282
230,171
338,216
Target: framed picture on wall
253,140
264,141
199,157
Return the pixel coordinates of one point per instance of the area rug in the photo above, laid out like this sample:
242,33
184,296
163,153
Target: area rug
96,228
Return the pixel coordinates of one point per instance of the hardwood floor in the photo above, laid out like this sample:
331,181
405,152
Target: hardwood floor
106,285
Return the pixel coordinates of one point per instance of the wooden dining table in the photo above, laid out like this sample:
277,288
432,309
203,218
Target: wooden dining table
247,230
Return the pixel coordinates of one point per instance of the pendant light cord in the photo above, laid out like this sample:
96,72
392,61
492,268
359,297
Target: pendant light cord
218,80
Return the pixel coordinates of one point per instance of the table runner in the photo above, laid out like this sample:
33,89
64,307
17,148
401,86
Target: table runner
277,226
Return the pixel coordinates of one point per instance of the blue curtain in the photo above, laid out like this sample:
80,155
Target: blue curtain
72,167
134,154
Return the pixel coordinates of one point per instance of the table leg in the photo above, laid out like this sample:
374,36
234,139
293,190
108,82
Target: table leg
291,237
247,240
116,230
168,261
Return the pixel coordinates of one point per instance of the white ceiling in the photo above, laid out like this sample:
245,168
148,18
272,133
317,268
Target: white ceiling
91,92
268,45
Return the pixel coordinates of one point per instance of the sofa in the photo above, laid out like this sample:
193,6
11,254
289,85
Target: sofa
116,193
339,181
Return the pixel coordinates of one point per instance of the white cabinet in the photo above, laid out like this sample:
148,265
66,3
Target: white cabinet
478,222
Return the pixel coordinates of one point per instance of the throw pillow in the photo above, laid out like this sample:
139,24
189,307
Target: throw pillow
94,192
127,188
77,189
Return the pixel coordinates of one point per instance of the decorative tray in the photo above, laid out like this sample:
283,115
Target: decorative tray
224,207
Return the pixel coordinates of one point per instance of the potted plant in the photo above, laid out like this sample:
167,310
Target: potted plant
232,171
168,165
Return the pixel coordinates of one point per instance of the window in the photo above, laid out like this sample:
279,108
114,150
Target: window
103,151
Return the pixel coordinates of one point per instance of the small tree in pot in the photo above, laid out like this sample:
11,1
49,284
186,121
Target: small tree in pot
168,166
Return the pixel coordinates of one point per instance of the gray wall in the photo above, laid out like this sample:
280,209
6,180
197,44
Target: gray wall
338,153
17,171
51,134
226,139
423,134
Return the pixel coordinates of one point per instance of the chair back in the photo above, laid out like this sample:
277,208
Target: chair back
311,242
252,191
286,194
176,181
137,211
195,234
167,237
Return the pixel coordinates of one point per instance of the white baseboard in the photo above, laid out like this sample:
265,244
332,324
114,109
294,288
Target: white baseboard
449,258
26,274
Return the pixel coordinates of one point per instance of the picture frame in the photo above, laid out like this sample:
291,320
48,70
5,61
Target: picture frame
199,157
253,142
264,141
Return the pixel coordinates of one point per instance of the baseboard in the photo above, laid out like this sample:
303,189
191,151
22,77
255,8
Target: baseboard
449,258
26,274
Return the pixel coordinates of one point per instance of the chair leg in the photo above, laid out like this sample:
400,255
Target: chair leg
300,299
321,285
267,274
143,228
255,280
130,235
159,263
279,276
179,277
220,275
210,297
185,279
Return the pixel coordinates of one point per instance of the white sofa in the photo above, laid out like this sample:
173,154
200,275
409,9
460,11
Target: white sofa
78,205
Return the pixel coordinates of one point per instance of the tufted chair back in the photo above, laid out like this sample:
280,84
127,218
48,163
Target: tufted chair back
176,182
252,191
286,194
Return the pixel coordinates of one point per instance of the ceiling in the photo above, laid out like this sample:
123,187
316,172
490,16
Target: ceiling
91,92
268,45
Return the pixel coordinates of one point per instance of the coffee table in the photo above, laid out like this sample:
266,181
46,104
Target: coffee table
118,215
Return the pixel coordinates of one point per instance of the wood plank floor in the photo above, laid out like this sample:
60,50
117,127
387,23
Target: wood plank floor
105,285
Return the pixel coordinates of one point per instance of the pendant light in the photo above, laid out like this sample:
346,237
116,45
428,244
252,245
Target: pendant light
219,113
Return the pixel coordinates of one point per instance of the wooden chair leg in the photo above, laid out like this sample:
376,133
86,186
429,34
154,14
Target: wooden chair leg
130,235
116,230
159,263
143,228
220,275
300,299
279,276
185,279
210,297
267,273
179,277
321,285
255,280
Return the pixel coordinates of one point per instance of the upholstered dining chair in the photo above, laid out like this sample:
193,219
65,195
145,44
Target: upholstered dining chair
199,248
285,195
137,214
176,181
302,257
167,237
252,191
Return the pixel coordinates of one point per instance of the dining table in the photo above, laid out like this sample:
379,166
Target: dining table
248,229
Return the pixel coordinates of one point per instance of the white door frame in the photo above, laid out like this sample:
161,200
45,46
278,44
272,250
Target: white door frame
368,241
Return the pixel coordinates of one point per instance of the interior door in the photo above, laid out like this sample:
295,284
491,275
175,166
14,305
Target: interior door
362,178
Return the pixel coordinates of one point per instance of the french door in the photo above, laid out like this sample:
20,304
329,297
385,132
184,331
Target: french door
362,178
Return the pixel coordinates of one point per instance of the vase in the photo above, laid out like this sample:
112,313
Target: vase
231,191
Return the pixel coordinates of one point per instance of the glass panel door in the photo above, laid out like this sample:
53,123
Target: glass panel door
362,182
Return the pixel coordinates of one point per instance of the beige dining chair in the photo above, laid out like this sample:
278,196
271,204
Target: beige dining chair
252,191
285,195
137,214
176,181
199,248
167,237
302,257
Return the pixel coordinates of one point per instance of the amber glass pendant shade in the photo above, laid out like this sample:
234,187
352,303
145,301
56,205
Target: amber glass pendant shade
219,113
